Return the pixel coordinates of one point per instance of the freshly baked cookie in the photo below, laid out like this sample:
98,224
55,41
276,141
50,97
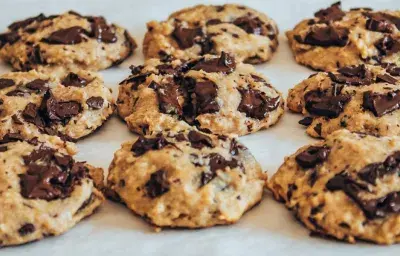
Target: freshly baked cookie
249,35
347,186
43,191
362,98
186,179
335,38
67,104
68,40
215,94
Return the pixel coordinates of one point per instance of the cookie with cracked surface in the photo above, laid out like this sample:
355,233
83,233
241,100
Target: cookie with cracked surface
347,187
67,104
362,98
186,179
69,40
43,190
249,35
214,93
335,38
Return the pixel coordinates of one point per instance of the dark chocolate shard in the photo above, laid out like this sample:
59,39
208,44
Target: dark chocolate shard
352,75
72,35
199,140
386,79
306,121
24,23
5,83
312,156
74,80
252,25
225,64
320,104
9,38
379,23
168,98
326,36
374,171
37,85
216,162
388,45
101,31
332,13
95,102
158,184
143,144
381,104
256,104
187,37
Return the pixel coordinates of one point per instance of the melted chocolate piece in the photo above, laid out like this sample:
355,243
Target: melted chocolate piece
5,83
353,75
312,156
32,115
388,45
142,145
252,25
199,140
9,38
72,35
217,162
332,13
59,111
372,208
101,31
37,85
326,36
225,64
205,94
381,104
168,98
374,171
158,184
26,229
386,78
306,121
95,102
256,104
378,22
187,37
320,104
24,23
73,79
11,137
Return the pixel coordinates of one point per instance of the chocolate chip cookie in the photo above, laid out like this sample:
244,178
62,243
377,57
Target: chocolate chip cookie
216,94
362,98
67,104
335,38
249,35
43,190
347,187
186,179
68,40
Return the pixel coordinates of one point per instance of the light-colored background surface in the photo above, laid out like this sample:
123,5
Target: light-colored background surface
269,229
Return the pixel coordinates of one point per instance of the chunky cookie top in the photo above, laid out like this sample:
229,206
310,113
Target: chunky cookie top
335,38
246,33
214,93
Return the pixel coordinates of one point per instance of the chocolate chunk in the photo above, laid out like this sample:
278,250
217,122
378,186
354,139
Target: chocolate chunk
381,104
26,229
374,171
5,83
217,162
158,184
252,25
9,38
95,102
206,44
11,137
326,36
37,85
391,68
101,31
187,37
353,75
59,111
167,69
320,104
63,160
34,57
31,115
378,22
199,140
73,79
306,121
205,94
20,92
225,64
236,147
213,22
332,13
386,78
16,119
312,156
256,104
72,35
388,45
168,97
372,208
3,148
44,154
135,70
24,23
318,129
136,80
289,193
142,145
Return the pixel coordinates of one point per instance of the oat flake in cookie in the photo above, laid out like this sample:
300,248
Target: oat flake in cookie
206,29
335,38
217,94
69,40
363,98
43,190
186,179
346,187
69,104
